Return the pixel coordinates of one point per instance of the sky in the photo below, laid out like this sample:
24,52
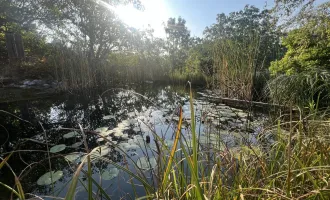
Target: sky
197,13
202,13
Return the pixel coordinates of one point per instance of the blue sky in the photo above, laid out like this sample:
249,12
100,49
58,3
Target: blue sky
197,13
202,13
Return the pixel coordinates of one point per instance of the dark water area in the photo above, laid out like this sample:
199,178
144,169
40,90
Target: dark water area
125,116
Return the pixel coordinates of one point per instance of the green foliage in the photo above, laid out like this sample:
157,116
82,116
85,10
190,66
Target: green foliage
177,42
302,75
200,59
245,25
300,88
307,47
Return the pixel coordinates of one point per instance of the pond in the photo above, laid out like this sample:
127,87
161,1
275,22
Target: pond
118,123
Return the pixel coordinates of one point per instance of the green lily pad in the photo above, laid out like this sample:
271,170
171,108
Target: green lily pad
98,152
136,129
76,145
57,148
111,143
118,134
109,117
138,139
145,163
128,146
125,136
124,124
50,177
110,174
71,134
101,129
72,157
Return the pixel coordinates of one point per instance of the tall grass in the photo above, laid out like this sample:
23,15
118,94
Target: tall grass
72,68
301,88
234,67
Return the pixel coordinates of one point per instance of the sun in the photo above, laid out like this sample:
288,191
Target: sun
154,15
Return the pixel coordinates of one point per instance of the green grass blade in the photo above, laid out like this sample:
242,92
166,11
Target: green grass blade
11,189
169,165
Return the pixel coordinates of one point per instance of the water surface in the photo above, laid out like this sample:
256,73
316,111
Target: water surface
126,116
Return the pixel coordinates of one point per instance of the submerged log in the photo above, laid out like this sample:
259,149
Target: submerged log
244,104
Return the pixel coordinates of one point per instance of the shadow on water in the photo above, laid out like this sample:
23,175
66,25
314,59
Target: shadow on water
125,116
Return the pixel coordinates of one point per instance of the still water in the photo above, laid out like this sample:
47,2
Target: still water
125,117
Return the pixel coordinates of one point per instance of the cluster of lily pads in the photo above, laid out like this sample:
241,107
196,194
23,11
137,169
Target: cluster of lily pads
118,138
112,137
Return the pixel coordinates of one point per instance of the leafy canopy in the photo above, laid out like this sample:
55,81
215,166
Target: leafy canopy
308,47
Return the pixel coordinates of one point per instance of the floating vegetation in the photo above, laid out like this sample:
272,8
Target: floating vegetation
138,139
71,135
98,152
72,157
50,177
110,174
101,129
57,148
136,129
118,133
146,163
109,117
76,145
128,146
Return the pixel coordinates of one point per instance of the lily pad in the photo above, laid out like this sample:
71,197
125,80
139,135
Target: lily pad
145,163
131,114
76,145
125,136
111,143
101,129
127,146
71,134
50,177
136,129
109,117
110,174
57,148
138,139
98,152
106,133
72,157
119,134
124,124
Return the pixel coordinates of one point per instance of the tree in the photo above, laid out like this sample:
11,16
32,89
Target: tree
302,75
307,46
177,42
200,60
87,22
249,24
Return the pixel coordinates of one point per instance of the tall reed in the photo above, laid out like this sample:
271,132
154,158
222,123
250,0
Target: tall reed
234,67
